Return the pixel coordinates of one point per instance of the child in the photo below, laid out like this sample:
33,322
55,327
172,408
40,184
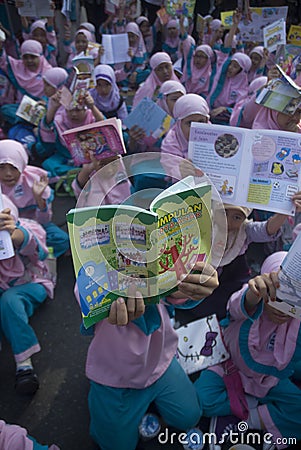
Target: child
265,346
198,69
15,437
171,42
133,365
25,74
81,41
230,85
259,56
76,115
161,70
106,94
24,284
27,187
169,93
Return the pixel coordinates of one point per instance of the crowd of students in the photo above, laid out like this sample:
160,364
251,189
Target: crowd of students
131,359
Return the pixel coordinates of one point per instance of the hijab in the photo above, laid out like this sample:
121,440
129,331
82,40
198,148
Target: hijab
172,42
169,87
29,82
259,49
110,102
139,50
152,82
198,80
56,77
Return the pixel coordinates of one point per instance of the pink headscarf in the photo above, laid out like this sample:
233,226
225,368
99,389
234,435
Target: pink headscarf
56,77
259,49
30,81
272,263
172,42
215,24
169,87
38,24
63,122
175,142
13,152
244,111
139,50
86,33
110,102
198,80
90,27
152,82
228,91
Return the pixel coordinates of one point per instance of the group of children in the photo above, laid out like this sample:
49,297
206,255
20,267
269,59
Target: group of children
217,83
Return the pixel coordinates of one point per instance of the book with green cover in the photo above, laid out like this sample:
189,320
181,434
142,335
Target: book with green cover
115,245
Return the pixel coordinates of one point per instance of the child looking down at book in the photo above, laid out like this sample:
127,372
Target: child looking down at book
27,187
24,284
265,348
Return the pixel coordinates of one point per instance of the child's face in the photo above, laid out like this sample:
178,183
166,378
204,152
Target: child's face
171,100
145,28
133,39
172,32
233,69
76,115
48,89
164,71
40,35
234,219
9,175
200,59
187,121
31,62
256,59
103,88
81,43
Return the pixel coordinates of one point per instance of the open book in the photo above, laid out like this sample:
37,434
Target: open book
151,118
36,8
31,110
116,47
115,245
254,168
289,293
104,139
281,94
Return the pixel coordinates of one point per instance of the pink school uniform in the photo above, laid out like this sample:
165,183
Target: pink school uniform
14,436
197,80
72,52
50,49
169,87
266,118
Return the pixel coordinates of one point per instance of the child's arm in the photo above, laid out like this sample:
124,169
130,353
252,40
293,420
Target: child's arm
43,212
235,22
7,223
263,287
91,105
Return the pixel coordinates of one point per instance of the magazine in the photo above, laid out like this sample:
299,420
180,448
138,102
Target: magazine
274,35
104,139
200,345
294,35
112,245
286,56
251,30
151,118
116,48
177,8
281,94
36,8
31,110
6,244
289,293
254,168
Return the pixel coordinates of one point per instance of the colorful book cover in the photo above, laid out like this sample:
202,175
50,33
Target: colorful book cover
274,35
151,118
180,7
104,139
31,110
294,35
113,245
164,17
285,57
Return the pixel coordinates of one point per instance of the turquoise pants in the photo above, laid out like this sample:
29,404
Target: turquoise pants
116,413
283,402
17,304
56,238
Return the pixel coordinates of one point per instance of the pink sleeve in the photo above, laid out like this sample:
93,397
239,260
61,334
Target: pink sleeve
235,304
14,436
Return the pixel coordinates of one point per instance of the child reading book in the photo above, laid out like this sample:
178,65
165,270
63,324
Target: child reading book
264,345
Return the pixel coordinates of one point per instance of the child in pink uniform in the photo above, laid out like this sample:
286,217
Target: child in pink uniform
265,347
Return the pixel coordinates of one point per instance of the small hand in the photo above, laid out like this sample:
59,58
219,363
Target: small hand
122,312
89,101
136,133
199,285
39,186
264,287
7,221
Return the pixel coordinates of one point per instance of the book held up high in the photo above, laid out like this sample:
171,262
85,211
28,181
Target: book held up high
31,110
115,245
104,139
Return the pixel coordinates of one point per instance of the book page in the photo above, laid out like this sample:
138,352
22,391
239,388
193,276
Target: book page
30,110
254,168
274,35
290,275
116,48
36,8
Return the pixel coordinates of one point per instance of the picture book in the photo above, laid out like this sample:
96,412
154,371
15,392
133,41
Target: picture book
254,168
274,35
31,110
151,118
164,17
177,8
281,94
104,139
200,345
251,28
36,8
294,35
116,47
203,23
84,64
76,87
6,245
288,295
285,56
113,246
